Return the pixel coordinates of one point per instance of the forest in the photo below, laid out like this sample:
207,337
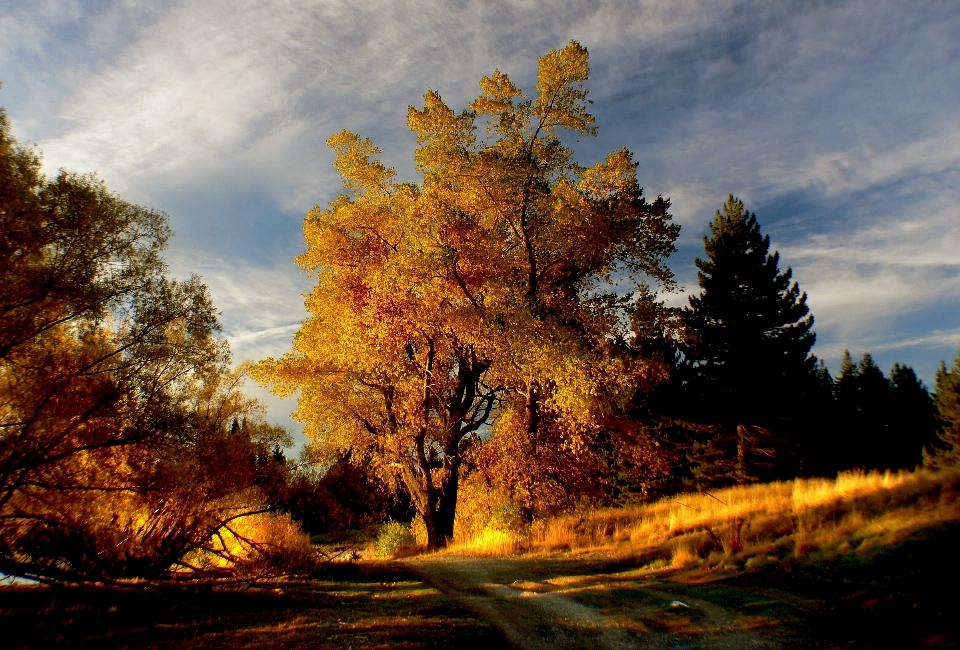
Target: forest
488,350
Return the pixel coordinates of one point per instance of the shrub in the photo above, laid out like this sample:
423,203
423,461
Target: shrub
395,537
418,528
257,546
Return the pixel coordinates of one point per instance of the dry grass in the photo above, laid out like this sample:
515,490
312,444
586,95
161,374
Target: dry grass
749,525
489,543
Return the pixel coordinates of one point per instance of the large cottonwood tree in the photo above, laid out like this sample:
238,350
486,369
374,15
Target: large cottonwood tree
483,292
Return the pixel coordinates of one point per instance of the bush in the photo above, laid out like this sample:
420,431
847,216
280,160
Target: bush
257,546
505,518
394,538
418,527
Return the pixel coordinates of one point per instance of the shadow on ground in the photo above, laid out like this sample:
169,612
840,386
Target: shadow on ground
355,606
901,596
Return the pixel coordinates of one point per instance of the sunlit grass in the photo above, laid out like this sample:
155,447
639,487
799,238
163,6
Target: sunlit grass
489,542
747,526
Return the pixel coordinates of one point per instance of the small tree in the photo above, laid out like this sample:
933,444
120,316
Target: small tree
115,396
749,335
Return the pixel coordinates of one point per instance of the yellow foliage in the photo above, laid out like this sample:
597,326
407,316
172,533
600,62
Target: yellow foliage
489,283
254,545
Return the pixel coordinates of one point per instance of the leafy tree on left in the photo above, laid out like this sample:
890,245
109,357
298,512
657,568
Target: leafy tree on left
115,395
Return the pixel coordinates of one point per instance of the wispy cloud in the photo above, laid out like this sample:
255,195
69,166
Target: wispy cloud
847,171
262,306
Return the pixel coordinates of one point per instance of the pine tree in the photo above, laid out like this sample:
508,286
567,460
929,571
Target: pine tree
914,420
749,335
864,399
882,423
945,451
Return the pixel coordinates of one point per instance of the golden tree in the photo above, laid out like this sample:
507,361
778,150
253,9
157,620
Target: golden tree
115,395
486,289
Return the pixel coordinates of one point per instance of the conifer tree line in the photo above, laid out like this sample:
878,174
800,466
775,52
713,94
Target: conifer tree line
753,402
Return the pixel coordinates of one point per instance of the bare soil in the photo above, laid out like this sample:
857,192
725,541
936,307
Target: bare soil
539,609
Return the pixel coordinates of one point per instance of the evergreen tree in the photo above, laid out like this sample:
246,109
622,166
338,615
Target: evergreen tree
914,420
654,329
863,397
649,447
945,451
749,335
883,423
819,450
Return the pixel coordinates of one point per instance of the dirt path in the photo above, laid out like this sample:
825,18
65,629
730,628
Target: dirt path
558,613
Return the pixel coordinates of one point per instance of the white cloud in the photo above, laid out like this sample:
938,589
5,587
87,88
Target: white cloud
262,308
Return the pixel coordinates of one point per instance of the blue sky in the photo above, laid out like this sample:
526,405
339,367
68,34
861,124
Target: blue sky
838,123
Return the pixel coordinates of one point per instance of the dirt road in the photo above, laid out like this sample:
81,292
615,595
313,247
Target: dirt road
541,605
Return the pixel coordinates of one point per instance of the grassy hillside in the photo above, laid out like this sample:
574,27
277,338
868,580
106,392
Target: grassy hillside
750,526
862,561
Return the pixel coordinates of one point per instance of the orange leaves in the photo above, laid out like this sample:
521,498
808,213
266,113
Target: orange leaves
617,176
442,135
497,95
496,105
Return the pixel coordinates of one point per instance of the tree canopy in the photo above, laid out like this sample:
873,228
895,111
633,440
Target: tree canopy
486,292
116,398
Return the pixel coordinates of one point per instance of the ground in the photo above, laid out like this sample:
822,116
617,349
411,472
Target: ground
903,596
371,605
900,597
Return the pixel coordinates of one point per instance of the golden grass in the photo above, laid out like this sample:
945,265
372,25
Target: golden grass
489,542
752,525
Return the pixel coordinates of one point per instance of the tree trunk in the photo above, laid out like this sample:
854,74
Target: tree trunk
741,471
533,416
447,508
424,496
431,526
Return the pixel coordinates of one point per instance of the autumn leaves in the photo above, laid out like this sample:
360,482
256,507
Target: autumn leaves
482,296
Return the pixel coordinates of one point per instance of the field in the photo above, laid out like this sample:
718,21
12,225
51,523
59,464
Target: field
863,561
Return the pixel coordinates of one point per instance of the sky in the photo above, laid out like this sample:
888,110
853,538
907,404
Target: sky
837,123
